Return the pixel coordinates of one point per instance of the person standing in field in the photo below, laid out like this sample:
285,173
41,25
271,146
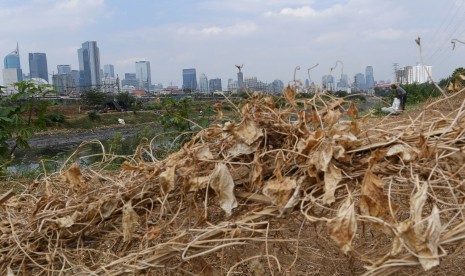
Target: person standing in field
401,94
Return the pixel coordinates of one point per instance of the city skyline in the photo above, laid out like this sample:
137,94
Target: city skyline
270,38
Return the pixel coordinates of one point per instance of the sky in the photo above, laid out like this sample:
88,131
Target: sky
269,37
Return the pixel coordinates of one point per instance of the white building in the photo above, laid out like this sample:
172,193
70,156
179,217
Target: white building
414,74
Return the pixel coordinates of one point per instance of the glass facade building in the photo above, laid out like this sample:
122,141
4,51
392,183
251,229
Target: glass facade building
89,65
203,84
370,79
143,74
215,85
64,69
109,71
38,66
12,68
189,79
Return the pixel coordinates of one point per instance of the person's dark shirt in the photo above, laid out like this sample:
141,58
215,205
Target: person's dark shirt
399,92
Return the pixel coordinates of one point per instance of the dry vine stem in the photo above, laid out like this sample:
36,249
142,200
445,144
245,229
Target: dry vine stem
390,196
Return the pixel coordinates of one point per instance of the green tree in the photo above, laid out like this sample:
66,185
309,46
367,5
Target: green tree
94,97
21,115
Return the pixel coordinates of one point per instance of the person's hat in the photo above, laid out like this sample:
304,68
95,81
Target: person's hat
393,86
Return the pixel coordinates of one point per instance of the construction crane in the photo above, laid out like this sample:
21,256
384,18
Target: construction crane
240,67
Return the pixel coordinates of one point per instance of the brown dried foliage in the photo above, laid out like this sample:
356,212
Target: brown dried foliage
390,196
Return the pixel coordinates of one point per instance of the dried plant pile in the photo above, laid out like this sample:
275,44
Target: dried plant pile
389,196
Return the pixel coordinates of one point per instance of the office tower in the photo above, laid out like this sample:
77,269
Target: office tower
143,74
38,66
108,71
370,80
203,84
89,65
240,80
189,79
359,81
215,85
130,79
64,69
12,68
63,83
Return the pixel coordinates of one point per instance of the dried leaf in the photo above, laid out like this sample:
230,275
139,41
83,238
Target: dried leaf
240,148
331,117
280,191
167,179
204,153
248,131
373,201
198,183
74,177
403,151
256,178
304,146
222,183
289,94
322,155
352,111
67,221
332,178
153,232
130,221
431,237
219,109
343,227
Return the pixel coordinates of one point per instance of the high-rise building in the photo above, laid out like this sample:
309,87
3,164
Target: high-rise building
414,74
369,77
189,79
240,80
63,83
64,69
328,82
89,65
143,74
203,84
108,71
12,68
359,81
38,66
215,85
130,79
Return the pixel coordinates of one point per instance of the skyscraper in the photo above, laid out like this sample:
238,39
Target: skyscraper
215,85
359,81
89,65
143,74
109,71
38,66
64,69
370,79
189,79
12,68
203,84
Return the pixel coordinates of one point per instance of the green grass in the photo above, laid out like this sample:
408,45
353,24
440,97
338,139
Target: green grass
108,119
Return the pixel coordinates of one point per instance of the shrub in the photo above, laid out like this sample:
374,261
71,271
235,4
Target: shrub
93,115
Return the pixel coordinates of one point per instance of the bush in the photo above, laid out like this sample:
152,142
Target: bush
93,115
55,117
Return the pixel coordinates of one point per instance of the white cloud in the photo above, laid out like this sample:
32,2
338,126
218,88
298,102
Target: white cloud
51,15
241,29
